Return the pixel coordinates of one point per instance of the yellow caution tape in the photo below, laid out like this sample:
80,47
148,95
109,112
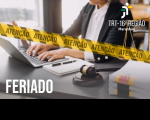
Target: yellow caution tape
74,43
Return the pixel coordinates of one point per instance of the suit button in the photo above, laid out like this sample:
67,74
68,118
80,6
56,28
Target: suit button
106,57
98,58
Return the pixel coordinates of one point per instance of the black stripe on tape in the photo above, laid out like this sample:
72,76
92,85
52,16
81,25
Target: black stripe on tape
140,50
10,25
146,62
36,30
4,35
56,45
23,28
62,35
134,59
81,49
88,40
95,52
49,32
30,40
75,38
16,37
100,42
68,47
113,45
121,57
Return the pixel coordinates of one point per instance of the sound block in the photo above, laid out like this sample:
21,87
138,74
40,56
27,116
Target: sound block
85,81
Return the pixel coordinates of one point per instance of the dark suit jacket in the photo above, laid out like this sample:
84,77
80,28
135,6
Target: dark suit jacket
107,34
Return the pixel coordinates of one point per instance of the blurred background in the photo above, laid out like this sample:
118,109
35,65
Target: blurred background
57,15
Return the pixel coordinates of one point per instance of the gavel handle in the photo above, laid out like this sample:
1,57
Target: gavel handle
107,69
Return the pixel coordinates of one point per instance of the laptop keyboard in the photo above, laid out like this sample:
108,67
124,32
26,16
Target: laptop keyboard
34,59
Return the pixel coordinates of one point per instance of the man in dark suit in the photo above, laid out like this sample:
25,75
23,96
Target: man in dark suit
92,23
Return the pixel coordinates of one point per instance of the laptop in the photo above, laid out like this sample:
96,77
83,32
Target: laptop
22,56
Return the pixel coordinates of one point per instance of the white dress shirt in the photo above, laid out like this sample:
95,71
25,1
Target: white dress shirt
94,27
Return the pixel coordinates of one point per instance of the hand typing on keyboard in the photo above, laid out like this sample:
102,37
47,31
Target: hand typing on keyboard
46,59
35,59
56,54
40,48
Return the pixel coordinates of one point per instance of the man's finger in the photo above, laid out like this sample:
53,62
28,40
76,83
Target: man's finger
41,56
31,50
53,58
14,23
28,50
40,52
36,50
45,56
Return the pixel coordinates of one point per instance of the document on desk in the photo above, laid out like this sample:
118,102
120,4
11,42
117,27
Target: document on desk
67,68
134,73
134,77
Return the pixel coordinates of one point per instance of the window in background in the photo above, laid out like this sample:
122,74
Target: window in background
70,11
26,13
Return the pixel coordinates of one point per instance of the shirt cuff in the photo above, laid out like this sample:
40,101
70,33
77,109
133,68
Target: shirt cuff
89,56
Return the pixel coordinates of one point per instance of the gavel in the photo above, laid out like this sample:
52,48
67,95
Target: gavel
92,71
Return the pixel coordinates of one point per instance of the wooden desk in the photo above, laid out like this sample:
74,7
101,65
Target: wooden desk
138,13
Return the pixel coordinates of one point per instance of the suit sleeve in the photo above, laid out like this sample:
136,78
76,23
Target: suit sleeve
115,37
75,29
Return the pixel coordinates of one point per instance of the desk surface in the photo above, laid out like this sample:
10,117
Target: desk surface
63,85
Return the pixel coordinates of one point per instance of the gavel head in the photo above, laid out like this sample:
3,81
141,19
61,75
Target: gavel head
88,71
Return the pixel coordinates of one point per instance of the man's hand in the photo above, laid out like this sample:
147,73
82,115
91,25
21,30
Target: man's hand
56,54
39,49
